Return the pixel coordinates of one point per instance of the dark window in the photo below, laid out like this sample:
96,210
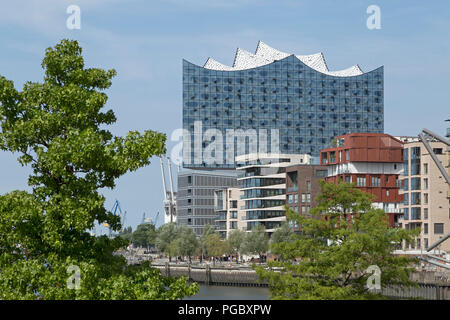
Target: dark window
438,228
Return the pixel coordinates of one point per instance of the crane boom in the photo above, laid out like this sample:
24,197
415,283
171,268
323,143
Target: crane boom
172,198
163,178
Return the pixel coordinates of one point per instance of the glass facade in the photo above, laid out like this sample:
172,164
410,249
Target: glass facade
306,107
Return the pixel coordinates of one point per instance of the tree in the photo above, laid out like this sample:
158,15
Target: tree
235,240
58,127
256,242
126,233
166,235
282,234
207,230
215,247
187,242
336,246
145,235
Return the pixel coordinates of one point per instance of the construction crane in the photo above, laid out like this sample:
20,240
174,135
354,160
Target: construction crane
116,207
156,219
169,197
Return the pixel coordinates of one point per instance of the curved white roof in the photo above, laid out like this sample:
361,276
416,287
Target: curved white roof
265,54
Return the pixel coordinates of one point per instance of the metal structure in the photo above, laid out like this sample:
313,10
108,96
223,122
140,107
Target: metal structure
424,136
116,207
169,197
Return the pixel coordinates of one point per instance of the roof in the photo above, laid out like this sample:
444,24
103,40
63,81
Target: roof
265,54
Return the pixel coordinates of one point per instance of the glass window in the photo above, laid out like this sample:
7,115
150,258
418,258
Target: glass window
438,228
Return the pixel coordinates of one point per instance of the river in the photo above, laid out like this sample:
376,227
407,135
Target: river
230,293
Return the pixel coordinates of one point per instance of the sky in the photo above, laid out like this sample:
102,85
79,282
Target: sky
145,41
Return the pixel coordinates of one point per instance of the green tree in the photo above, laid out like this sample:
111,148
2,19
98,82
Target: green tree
207,230
235,240
166,235
215,247
187,242
335,248
126,233
144,235
256,242
57,126
282,234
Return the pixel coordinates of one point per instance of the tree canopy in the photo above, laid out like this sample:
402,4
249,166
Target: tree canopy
330,257
256,242
58,128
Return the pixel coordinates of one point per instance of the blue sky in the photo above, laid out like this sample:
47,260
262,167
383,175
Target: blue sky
145,41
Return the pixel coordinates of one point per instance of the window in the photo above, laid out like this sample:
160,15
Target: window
189,179
437,150
234,204
418,243
361,181
347,155
425,228
425,213
425,184
308,185
308,197
340,156
290,198
296,198
425,168
376,181
387,193
303,197
438,228
425,198
425,242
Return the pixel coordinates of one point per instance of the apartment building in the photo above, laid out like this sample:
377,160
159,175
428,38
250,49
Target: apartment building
227,204
425,205
302,186
373,162
262,186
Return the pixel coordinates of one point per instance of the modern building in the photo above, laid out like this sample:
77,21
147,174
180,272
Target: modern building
273,102
373,162
227,203
195,196
262,186
302,186
424,190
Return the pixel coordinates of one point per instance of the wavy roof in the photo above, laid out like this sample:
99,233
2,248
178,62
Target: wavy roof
265,54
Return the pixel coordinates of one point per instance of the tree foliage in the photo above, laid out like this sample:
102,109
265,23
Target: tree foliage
329,258
166,236
144,235
256,242
187,242
215,246
235,241
58,127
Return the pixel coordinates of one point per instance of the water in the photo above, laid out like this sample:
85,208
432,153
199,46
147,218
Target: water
230,293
